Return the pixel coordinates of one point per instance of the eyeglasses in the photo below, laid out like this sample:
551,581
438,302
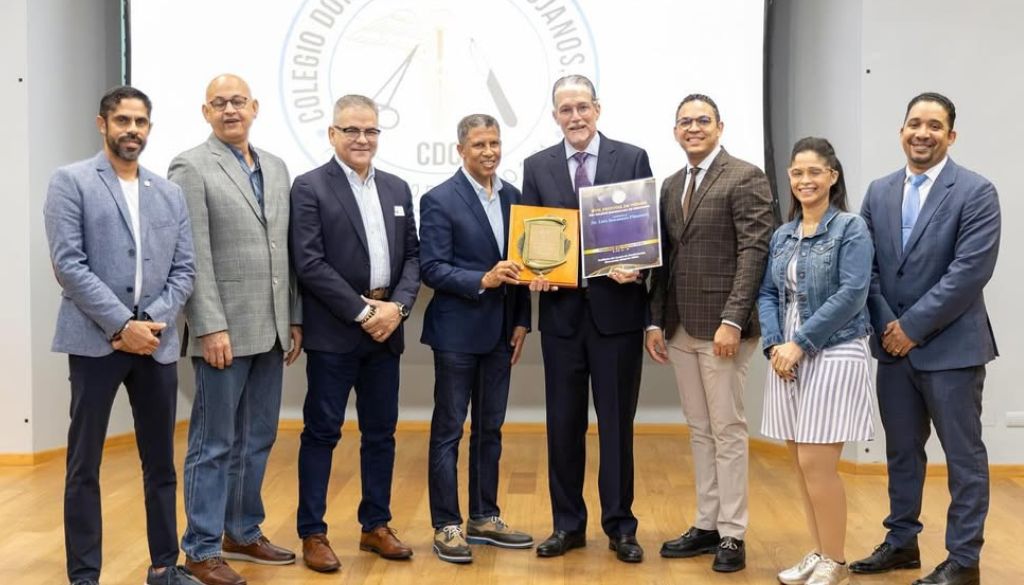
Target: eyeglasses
812,172
352,133
702,122
237,101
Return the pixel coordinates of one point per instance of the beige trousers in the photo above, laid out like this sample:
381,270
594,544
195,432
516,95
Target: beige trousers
711,389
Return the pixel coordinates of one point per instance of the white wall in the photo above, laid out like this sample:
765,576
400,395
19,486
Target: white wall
16,343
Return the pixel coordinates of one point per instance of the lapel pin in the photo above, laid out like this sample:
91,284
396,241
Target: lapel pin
146,182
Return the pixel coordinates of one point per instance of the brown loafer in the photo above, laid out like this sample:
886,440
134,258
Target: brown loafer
317,554
260,551
214,571
382,540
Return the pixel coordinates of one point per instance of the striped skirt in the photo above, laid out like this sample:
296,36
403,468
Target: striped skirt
830,401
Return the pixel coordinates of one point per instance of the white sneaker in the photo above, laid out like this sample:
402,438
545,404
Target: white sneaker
829,572
798,575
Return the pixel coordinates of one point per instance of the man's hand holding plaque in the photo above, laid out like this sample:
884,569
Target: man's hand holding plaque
504,272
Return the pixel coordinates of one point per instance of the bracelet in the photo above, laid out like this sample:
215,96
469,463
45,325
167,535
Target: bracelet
373,311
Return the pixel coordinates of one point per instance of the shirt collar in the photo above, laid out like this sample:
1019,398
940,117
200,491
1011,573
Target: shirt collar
932,173
591,149
241,156
353,176
481,192
705,164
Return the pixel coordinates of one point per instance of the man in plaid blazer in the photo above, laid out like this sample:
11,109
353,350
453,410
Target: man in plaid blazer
717,220
243,325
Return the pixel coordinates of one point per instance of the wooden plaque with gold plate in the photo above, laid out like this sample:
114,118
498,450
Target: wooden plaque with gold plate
546,242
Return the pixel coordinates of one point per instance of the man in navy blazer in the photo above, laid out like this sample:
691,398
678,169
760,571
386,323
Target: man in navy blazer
476,324
356,255
592,334
121,248
936,234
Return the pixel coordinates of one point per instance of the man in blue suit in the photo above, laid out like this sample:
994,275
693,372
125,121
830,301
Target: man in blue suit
936,233
463,231
356,255
121,248
592,335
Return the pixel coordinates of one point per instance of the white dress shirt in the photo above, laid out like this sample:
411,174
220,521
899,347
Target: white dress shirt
130,189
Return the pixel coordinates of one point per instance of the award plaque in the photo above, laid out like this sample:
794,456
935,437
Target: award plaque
545,241
621,227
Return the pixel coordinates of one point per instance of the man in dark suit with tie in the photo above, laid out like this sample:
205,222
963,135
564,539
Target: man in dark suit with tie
592,334
463,227
717,221
356,254
936,233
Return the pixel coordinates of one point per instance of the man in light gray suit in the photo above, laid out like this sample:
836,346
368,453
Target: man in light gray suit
121,250
243,325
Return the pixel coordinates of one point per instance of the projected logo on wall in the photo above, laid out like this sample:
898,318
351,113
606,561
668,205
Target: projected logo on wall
427,63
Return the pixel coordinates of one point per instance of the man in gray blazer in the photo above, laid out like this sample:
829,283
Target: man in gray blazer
121,250
243,326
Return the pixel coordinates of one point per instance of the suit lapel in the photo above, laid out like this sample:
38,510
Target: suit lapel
231,167
559,168
506,214
937,194
343,193
710,176
892,213
109,178
270,202
469,197
606,157
388,203
674,205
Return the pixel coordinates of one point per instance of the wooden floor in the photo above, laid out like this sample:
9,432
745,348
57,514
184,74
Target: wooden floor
32,541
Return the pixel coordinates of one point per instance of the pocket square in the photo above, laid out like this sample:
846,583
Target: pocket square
399,211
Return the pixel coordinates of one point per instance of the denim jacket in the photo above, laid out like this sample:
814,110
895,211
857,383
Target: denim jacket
833,276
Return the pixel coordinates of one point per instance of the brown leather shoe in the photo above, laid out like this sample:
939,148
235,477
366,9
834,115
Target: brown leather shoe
317,554
382,540
260,551
214,571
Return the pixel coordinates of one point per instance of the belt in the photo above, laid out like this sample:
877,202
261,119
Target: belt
377,294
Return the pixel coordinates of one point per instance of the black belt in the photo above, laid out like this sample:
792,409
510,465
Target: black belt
377,294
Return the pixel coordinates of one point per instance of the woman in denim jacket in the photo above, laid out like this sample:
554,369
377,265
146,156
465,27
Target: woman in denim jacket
814,327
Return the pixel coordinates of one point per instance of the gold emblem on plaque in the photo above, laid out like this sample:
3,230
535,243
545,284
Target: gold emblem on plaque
544,245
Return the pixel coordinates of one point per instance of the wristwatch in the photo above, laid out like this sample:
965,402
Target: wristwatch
403,311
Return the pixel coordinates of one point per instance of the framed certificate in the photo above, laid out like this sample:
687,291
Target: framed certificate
620,227
545,241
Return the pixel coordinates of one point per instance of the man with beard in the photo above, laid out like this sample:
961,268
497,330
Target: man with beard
591,334
121,249
243,327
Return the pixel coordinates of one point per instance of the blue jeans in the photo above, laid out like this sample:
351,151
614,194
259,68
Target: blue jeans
461,379
373,370
233,427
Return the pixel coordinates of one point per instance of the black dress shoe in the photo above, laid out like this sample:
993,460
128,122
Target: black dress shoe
730,557
693,542
887,557
561,542
951,573
626,548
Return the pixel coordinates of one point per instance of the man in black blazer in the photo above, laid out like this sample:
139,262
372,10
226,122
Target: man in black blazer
476,324
590,334
356,254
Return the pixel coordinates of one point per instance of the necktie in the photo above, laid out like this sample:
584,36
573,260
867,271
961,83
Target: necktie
688,196
911,206
581,178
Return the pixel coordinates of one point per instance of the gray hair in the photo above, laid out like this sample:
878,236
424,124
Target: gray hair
354,101
573,80
476,121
